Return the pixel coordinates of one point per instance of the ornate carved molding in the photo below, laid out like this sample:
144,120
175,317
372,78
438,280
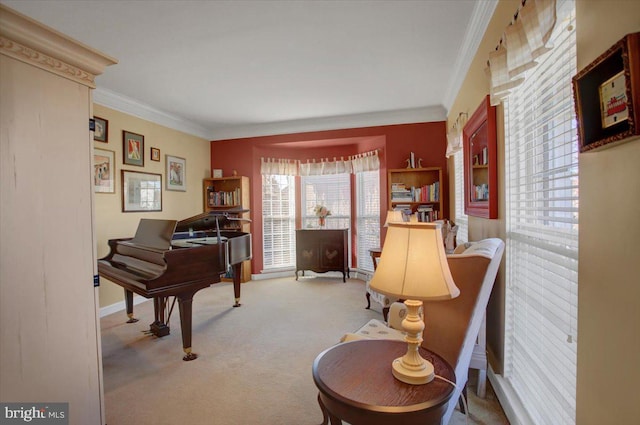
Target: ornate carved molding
25,54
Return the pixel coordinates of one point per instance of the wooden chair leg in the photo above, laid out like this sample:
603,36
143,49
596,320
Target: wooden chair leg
385,314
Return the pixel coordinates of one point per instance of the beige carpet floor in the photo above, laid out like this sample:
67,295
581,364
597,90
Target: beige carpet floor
254,364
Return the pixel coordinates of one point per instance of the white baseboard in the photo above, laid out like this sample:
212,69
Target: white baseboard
354,274
120,306
509,400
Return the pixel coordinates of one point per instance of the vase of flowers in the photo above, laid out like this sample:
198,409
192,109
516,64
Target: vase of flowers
321,212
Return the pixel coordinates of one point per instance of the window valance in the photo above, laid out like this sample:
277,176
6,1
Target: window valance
367,161
523,41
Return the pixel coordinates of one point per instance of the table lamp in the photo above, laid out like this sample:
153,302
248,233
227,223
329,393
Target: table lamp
413,266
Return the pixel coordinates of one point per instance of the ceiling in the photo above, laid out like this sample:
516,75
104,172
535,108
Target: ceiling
226,69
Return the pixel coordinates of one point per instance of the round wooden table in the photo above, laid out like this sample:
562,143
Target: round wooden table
356,385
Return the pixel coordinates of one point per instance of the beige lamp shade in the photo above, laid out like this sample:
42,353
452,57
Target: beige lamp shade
413,264
395,216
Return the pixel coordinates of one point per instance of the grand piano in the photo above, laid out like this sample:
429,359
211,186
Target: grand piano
169,258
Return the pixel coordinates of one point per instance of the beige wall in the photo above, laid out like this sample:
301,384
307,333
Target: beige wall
609,293
473,90
111,222
609,266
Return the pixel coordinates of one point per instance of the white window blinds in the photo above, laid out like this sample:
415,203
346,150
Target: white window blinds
460,219
368,216
332,191
542,232
278,221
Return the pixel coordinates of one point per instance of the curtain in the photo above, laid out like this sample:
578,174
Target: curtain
454,135
367,161
283,167
524,40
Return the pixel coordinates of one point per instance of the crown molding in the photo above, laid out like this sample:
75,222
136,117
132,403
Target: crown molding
480,18
131,106
127,105
402,116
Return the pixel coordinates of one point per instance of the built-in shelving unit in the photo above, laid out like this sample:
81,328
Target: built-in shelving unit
230,193
417,189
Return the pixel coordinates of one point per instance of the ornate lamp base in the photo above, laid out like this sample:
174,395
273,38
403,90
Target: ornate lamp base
412,368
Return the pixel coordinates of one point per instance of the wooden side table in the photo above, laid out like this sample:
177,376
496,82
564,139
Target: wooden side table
375,254
356,385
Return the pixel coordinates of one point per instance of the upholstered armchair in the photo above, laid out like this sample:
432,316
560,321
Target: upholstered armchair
455,329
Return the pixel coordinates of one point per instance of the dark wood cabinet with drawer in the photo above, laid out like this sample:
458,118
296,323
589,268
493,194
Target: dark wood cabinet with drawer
322,251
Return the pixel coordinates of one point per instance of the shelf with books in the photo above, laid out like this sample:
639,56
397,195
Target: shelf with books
227,193
417,189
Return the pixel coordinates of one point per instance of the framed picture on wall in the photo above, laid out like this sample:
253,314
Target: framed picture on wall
104,176
101,130
141,192
176,173
606,95
155,154
132,148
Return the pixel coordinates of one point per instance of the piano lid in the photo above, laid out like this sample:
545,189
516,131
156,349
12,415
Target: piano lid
207,220
154,233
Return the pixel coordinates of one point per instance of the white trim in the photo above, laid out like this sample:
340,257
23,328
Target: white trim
509,400
130,106
480,17
127,105
120,306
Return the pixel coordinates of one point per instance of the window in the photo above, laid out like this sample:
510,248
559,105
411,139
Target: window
460,219
332,191
367,216
278,221
542,232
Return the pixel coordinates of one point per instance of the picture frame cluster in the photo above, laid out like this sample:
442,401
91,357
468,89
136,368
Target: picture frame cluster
141,191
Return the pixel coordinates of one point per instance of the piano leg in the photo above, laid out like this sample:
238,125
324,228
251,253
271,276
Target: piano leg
159,328
128,299
237,270
185,306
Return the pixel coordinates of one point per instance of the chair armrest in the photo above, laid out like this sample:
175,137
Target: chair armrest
397,313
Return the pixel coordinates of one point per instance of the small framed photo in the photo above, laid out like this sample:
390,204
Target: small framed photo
104,175
217,173
606,95
176,173
155,154
101,130
132,148
141,192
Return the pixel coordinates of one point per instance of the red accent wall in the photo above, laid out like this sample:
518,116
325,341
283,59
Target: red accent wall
394,142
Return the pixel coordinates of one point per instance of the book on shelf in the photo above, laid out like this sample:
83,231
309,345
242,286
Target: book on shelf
401,207
222,199
427,215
